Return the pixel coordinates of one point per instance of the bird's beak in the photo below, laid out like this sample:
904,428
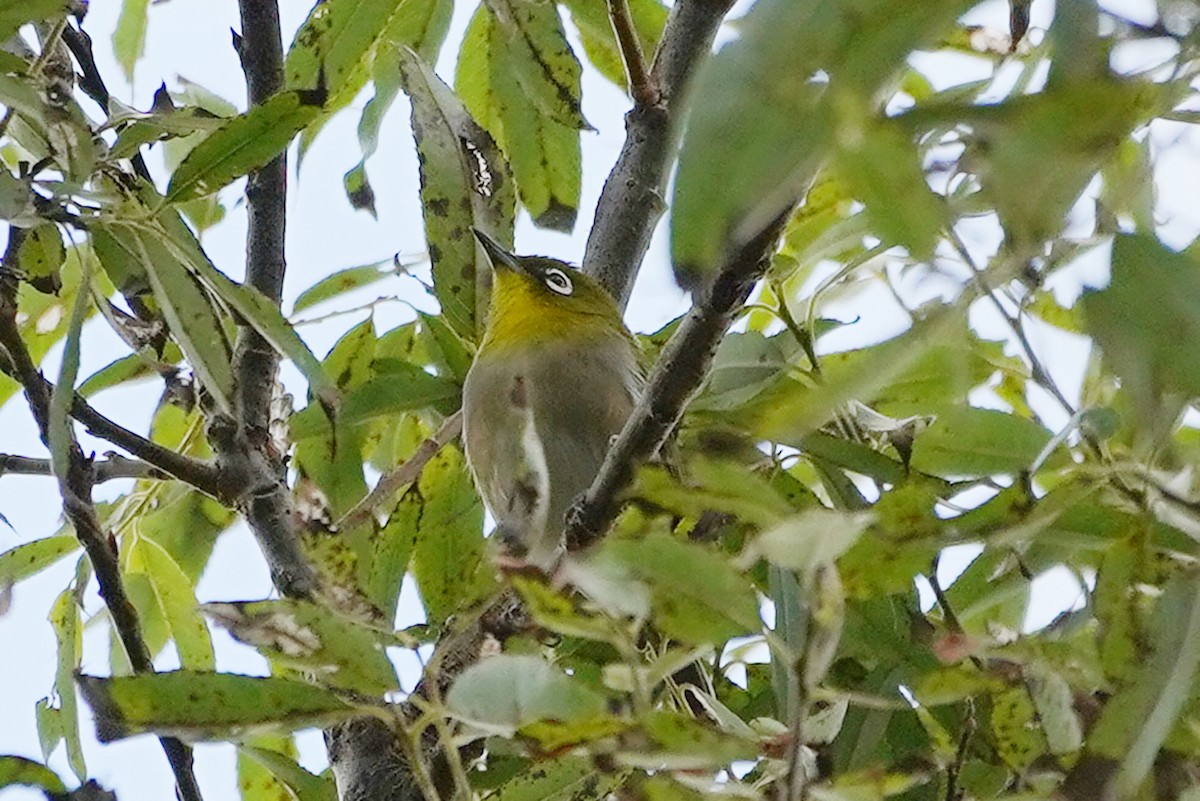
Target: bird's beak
496,252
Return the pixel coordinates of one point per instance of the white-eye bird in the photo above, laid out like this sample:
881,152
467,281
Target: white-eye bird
556,376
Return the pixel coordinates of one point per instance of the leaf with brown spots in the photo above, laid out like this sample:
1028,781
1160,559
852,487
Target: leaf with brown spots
464,184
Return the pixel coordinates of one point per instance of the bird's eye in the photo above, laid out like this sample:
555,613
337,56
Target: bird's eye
557,281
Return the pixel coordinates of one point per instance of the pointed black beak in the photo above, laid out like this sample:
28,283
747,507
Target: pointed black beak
496,252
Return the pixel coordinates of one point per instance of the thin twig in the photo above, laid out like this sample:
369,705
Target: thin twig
200,474
953,791
113,467
676,377
641,85
403,474
75,486
92,83
632,201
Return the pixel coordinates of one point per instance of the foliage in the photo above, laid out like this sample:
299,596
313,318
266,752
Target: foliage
766,618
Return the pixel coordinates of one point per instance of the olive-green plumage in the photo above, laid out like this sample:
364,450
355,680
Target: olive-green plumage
555,378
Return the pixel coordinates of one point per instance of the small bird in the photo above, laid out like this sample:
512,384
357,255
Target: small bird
555,378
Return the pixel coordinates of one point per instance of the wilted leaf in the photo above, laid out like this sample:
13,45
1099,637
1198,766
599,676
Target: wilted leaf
341,652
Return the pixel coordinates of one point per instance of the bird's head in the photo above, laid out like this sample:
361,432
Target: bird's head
537,299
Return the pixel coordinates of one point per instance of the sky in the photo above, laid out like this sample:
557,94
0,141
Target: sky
190,39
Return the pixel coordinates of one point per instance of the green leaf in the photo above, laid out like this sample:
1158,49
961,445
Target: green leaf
340,652
879,163
813,538
265,318
342,281
342,39
505,692
43,319
17,770
176,598
188,311
447,559
129,37
22,561
41,253
758,91
746,363
15,13
599,42
241,145
1136,721
60,436
697,595
297,782
64,619
681,742
391,549
543,61
967,441
134,367
881,370
1145,320
207,706
544,154
464,184
403,388
1055,702
565,779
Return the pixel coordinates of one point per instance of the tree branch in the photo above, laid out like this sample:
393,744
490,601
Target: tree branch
641,86
195,472
403,474
632,201
676,377
115,466
244,452
75,486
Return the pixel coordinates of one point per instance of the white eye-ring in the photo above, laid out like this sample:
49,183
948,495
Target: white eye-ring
557,281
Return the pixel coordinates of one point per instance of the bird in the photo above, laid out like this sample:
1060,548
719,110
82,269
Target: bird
556,375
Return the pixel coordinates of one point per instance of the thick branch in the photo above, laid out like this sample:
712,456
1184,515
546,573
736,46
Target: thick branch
115,466
75,486
261,50
243,445
676,377
632,201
